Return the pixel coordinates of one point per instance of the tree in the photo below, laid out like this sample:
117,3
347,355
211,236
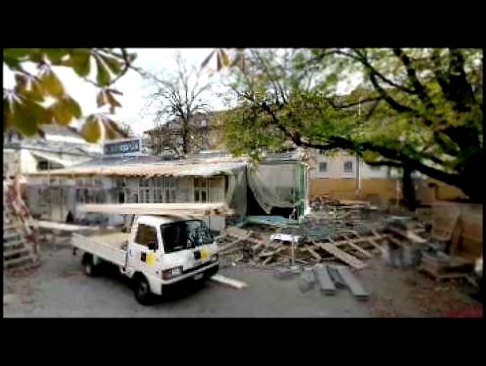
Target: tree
43,99
179,98
421,108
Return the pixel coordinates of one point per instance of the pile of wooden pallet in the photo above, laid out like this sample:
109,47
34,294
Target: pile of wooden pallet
350,248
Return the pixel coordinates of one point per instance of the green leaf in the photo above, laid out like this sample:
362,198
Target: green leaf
80,61
26,116
16,53
103,78
64,110
74,107
11,62
55,54
113,64
91,129
35,55
132,56
51,83
62,114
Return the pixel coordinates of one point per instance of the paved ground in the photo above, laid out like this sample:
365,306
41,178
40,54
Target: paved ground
59,289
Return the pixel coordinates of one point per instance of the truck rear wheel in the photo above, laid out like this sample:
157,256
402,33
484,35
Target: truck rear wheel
142,291
88,265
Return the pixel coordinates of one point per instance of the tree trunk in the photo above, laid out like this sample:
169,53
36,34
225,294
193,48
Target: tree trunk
409,189
472,178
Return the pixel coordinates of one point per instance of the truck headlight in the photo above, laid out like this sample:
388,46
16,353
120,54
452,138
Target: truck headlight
214,258
171,273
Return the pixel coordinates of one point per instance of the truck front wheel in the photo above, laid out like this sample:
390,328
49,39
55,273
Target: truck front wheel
142,291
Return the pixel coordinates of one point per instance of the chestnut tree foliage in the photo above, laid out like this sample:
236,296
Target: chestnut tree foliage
416,109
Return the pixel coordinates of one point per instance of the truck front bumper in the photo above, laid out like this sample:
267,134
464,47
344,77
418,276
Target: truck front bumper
192,278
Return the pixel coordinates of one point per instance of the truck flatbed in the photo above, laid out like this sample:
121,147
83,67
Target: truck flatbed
108,246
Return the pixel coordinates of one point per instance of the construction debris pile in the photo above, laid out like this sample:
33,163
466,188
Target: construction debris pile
339,234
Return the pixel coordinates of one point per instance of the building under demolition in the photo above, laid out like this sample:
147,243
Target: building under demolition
277,185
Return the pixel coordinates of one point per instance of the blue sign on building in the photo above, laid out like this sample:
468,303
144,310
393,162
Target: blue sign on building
123,147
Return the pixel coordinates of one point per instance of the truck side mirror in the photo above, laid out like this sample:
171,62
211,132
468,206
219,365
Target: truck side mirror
152,246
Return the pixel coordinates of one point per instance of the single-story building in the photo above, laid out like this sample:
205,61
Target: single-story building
277,185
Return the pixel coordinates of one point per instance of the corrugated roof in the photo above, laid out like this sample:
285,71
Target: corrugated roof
148,166
149,170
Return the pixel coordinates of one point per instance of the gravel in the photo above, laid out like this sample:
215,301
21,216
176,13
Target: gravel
58,288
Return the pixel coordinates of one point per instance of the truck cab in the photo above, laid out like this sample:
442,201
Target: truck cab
159,251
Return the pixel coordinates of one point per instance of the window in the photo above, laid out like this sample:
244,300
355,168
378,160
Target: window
146,235
200,190
322,152
144,190
165,189
348,166
323,167
208,189
185,234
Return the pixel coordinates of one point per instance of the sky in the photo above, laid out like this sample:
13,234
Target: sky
133,87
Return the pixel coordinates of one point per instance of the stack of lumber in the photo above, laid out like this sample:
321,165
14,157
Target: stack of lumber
330,278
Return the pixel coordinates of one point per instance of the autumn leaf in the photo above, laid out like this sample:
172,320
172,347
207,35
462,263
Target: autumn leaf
51,83
114,91
225,60
111,100
113,130
219,62
101,99
91,129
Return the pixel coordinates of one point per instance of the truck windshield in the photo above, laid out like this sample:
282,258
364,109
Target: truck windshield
185,235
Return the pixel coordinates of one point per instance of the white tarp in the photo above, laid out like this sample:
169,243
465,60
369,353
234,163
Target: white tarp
267,188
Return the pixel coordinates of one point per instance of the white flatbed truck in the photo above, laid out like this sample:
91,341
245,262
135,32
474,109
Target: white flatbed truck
159,251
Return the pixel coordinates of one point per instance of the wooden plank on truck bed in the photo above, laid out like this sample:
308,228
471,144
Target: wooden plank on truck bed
345,257
352,282
325,281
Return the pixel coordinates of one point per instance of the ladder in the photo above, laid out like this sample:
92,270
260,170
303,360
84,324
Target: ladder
20,231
